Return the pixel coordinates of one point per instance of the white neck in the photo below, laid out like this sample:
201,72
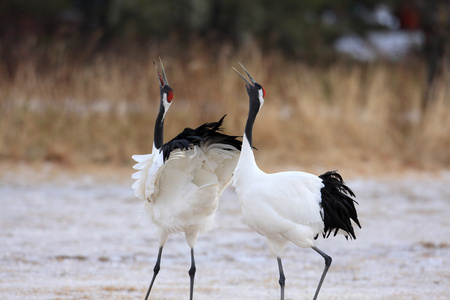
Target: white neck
247,163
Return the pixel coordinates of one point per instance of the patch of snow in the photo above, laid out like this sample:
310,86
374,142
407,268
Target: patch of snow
79,238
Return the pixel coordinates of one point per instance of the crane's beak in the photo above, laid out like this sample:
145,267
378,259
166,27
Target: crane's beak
253,81
162,79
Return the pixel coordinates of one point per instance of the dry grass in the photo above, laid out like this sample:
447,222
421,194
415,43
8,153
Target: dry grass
360,117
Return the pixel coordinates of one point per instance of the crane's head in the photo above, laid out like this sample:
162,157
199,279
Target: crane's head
166,91
254,90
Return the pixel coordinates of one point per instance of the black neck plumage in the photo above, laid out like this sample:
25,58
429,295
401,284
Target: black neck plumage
252,112
159,128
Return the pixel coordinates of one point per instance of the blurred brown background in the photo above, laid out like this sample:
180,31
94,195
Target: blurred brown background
355,85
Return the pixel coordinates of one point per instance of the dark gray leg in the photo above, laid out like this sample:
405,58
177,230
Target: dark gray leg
192,274
155,271
282,279
325,270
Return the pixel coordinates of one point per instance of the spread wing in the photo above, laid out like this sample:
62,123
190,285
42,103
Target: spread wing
222,160
148,166
202,156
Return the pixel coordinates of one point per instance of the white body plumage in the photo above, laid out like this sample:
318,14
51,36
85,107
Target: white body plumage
281,206
182,193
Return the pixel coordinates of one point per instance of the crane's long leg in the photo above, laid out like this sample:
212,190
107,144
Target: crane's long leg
155,272
282,279
328,260
192,274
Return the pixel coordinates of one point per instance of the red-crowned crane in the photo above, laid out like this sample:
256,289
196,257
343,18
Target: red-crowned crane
181,180
289,206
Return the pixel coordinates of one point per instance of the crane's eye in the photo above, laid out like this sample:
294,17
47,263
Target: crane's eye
169,96
264,92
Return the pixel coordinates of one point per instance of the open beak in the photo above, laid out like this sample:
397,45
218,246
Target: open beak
162,79
253,81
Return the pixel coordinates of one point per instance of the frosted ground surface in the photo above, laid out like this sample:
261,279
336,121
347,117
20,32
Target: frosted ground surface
78,237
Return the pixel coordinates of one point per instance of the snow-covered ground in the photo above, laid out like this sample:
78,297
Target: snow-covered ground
78,237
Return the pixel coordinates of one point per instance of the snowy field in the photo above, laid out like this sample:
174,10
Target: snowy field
77,236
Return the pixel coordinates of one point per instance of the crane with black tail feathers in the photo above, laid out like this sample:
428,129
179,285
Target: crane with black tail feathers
290,206
181,180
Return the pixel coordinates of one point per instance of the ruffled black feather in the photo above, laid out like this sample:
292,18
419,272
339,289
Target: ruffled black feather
206,133
338,205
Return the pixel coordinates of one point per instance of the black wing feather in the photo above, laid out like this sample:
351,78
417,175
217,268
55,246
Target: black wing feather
206,133
338,205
